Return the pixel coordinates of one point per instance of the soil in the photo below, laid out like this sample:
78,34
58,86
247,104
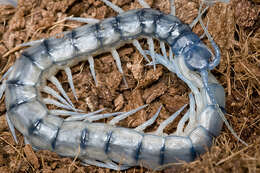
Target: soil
234,27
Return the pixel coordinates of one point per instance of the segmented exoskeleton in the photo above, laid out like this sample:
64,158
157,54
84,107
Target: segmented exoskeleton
102,144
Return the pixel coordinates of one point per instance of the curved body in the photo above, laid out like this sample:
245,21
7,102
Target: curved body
100,142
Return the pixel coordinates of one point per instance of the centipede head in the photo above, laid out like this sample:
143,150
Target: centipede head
197,58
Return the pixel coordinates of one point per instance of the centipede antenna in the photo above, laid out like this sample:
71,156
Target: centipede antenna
70,80
191,112
163,49
173,10
113,6
56,95
140,49
83,116
88,20
195,21
159,130
144,4
11,127
92,69
203,35
216,59
125,115
229,126
204,75
151,48
102,116
49,101
56,82
118,64
149,122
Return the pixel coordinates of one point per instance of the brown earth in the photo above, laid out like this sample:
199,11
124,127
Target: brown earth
234,27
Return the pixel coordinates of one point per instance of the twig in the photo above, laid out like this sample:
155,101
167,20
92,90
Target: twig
233,155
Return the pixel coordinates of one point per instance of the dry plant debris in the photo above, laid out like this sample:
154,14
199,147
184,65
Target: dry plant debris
235,28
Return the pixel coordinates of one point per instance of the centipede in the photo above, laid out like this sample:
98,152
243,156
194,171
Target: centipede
106,144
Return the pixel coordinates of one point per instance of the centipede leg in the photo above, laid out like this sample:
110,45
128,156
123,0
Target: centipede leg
11,127
159,130
118,64
144,4
186,116
149,122
125,115
92,69
58,85
173,10
2,89
81,116
53,93
49,101
151,49
113,6
83,19
108,164
70,80
163,49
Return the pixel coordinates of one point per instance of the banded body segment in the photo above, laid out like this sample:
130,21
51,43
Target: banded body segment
18,94
61,49
177,33
127,150
86,39
129,24
147,20
68,141
152,151
22,72
165,24
24,115
109,32
44,132
177,149
39,55
201,139
95,140
211,120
